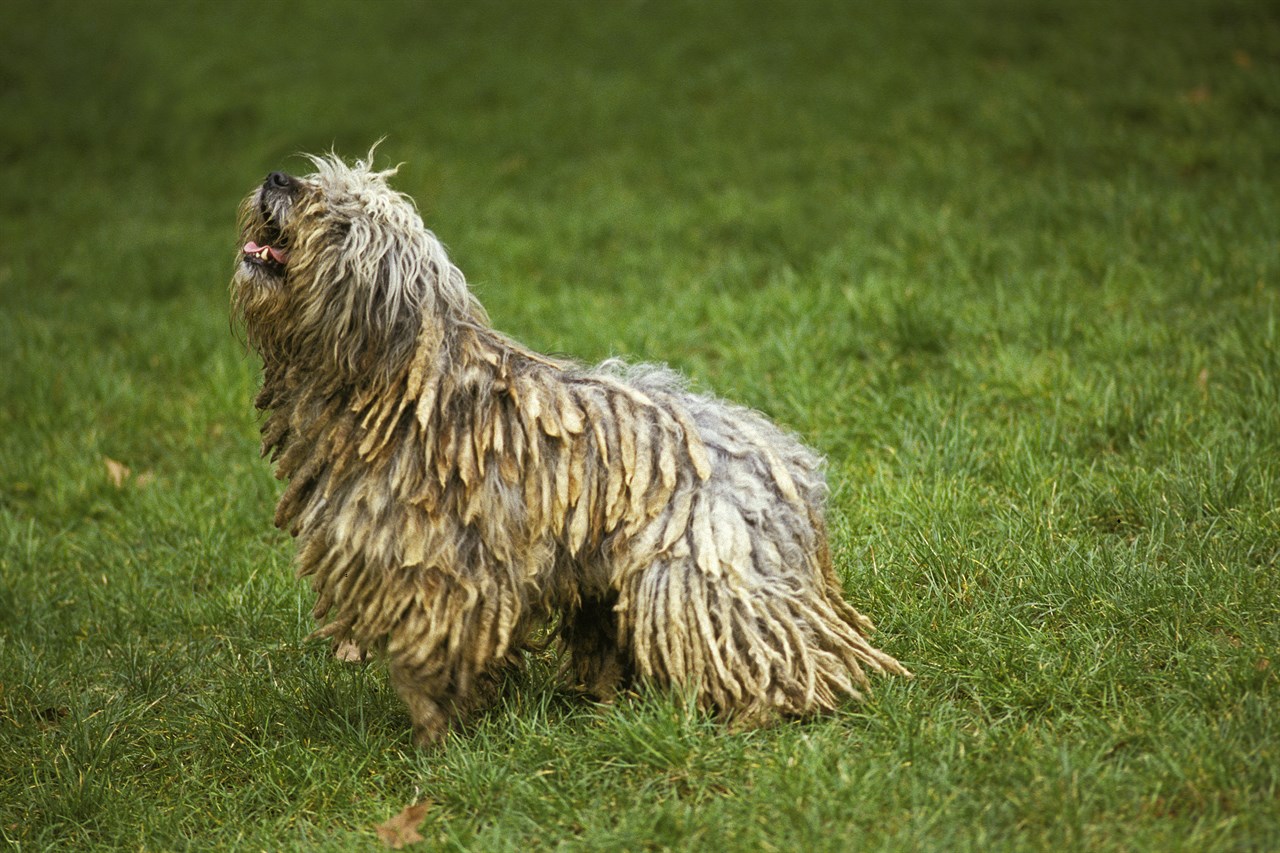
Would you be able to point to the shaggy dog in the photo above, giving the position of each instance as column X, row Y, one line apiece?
column 452, row 491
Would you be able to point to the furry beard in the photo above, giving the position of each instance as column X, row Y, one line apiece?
column 452, row 491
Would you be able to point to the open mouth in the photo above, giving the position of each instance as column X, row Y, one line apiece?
column 272, row 257
column 272, row 253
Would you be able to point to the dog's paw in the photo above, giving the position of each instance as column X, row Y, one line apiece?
column 349, row 652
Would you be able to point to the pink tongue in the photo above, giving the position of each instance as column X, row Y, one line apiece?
column 252, row 248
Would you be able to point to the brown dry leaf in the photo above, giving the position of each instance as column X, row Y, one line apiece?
column 117, row 472
column 402, row 830
column 1242, row 59
column 144, row 479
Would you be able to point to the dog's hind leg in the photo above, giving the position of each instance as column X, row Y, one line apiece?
column 589, row 634
column 726, row 617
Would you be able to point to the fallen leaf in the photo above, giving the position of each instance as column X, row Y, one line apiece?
column 402, row 830
column 1242, row 59
column 1262, row 665
column 117, row 472
column 144, row 479
column 1202, row 380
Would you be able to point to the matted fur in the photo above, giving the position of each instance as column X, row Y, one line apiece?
column 452, row 491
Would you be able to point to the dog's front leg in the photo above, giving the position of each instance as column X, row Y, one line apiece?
column 448, row 649
column 424, row 696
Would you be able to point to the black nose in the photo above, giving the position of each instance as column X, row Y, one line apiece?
column 277, row 181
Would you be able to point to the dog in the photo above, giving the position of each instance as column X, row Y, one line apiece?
column 455, row 494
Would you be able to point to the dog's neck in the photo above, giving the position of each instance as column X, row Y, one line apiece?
column 317, row 429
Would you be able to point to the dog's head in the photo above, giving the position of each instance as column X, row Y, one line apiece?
column 338, row 274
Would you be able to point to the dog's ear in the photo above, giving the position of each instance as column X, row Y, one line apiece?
column 361, row 299
column 398, row 302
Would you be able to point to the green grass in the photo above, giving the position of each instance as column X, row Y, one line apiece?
column 1012, row 267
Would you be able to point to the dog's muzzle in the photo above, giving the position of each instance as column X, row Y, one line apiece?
column 271, row 253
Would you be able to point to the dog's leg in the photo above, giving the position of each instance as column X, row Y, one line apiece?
column 420, row 693
column 751, row 645
column 590, row 636
column 447, row 650
column 435, row 703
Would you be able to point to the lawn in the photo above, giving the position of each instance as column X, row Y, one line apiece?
column 1013, row 268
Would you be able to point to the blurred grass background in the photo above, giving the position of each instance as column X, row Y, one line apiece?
column 1011, row 266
